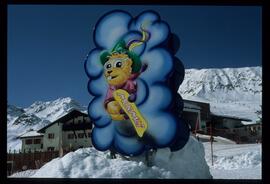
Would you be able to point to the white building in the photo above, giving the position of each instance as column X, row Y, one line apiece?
column 70, row 132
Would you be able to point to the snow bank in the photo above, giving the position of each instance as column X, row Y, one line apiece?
column 23, row 174
column 239, row 161
column 234, row 161
column 90, row 163
column 189, row 162
column 231, row 161
column 247, row 173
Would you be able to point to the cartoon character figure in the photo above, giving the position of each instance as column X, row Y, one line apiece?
column 134, row 112
column 121, row 68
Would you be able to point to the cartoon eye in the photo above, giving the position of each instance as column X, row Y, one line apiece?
column 108, row 66
column 118, row 64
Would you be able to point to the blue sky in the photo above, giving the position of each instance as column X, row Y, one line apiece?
column 47, row 44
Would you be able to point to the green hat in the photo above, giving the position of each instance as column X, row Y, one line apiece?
column 120, row 48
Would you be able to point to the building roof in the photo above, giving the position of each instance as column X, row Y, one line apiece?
column 191, row 106
column 196, row 102
column 202, row 106
column 64, row 118
column 230, row 117
column 253, row 124
column 31, row 133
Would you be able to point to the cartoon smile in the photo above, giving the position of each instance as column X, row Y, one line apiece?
column 111, row 77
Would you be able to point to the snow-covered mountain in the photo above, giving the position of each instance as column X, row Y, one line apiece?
column 38, row 115
column 230, row 91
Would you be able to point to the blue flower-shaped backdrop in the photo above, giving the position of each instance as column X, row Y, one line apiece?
column 157, row 86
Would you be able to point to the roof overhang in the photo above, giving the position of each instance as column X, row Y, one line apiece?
column 230, row 117
column 63, row 118
column 25, row 137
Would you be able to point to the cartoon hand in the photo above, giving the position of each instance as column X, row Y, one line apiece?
column 132, row 97
column 114, row 109
column 118, row 117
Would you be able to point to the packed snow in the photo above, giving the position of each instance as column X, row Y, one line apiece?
column 188, row 163
column 230, row 161
column 234, row 161
column 24, row 174
column 96, row 164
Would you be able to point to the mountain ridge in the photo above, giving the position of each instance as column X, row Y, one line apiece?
column 230, row 91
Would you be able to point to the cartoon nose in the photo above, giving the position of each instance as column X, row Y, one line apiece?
column 109, row 71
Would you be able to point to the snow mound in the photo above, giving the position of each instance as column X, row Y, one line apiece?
column 188, row 162
column 242, row 160
column 90, row 163
column 234, row 161
column 23, row 174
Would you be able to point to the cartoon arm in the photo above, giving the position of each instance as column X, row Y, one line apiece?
column 112, row 107
column 131, row 88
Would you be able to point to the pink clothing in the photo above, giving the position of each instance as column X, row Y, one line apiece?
column 130, row 86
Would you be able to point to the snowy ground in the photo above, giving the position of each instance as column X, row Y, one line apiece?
column 231, row 161
column 188, row 163
column 234, row 161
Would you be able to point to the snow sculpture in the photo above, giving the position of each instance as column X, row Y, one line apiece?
column 134, row 76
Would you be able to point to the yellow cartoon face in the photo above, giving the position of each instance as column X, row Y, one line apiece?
column 118, row 69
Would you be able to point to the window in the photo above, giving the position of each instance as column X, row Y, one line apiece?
column 51, row 136
column 50, row 148
column 81, row 135
column 37, row 141
column 70, row 136
column 28, row 141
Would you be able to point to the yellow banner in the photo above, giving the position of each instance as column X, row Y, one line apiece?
column 139, row 123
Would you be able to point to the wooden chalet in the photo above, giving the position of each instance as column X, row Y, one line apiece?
column 69, row 132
